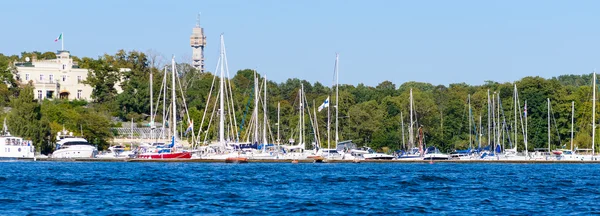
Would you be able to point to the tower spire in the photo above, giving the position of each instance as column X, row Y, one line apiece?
column 198, row 20
column 197, row 42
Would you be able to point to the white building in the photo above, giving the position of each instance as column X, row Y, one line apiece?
column 56, row 78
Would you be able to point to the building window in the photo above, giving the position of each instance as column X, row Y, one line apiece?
column 41, row 77
column 64, row 78
column 78, row 79
column 39, row 94
column 51, row 78
column 49, row 94
column 79, row 94
column 26, row 77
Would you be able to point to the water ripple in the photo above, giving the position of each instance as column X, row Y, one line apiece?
column 67, row 188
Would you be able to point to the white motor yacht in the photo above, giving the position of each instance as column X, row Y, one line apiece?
column 569, row 155
column 68, row 146
column 331, row 154
column 373, row 155
column 12, row 148
column 354, row 154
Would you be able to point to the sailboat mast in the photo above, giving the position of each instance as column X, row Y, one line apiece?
column 328, row 126
column 499, row 123
column 164, row 117
column 494, row 120
column 594, row 114
column 302, row 113
column 221, row 96
column 278, row 107
column 402, row 129
column 255, row 113
column 515, row 105
column 489, row 120
column 470, row 129
column 174, row 109
column 525, row 138
column 300, row 116
column 151, row 105
column 548, row 124
column 265, row 114
column 410, row 131
column 480, row 131
column 337, row 98
column 572, row 121
column 316, row 126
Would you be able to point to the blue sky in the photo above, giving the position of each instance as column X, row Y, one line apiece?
column 439, row 42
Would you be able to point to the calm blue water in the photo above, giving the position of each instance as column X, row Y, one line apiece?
column 51, row 188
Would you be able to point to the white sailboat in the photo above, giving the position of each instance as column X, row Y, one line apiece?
column 266, row 150
column 329, row 152
column 573, row 154
column 413, row 152
column 225, row 147
column 297, row 151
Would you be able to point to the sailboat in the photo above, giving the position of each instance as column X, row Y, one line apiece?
column 334, row 153
column 413, row 152
column 169, row 151
column 265, row 150
column 468, row 153
column 572, row 154
column 297, row 151
column 226, row 147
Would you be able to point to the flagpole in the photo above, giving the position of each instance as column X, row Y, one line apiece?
column 62, row 41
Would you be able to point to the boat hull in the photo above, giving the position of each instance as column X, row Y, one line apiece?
column 75, row 151
column 236, row 160
column 436, row 157
column 175, row 155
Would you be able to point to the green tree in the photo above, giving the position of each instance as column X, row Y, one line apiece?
column 25, row 120
column 102, row 77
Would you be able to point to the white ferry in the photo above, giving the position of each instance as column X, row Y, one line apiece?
column 13, row 148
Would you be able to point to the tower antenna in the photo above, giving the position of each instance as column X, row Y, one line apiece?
column 198, row 20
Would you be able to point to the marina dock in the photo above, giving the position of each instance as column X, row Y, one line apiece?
column 314, row 161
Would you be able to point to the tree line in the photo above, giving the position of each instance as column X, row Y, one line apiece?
column 369, row 115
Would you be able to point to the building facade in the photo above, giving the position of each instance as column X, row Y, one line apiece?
column 197, row 42
column 55, row 78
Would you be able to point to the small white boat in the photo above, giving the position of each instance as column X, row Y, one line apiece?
column 69, row 146
column 295, row 153
column 331, row 154
column 354, row 154
column 217, row 152
column 373, row 155
column 116, row 152
column 568, row 155
column 412, row 153
column 432, row 153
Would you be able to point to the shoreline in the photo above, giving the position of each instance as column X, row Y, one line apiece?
column 304, row 161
